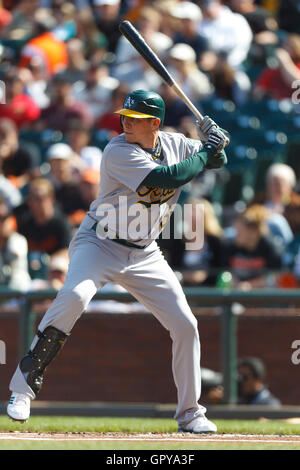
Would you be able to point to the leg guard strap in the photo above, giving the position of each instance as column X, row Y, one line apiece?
column 50, row 342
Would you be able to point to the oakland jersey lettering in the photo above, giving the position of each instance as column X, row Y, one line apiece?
column 151, row 196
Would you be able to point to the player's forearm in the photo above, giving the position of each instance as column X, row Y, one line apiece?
column 176, row 175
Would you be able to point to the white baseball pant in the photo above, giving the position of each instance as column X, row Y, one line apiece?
column 148, row 277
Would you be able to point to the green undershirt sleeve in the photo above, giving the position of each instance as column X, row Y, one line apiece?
column 173, row 176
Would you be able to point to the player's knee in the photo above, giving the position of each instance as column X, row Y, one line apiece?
column 75, row 299
column 187, row 328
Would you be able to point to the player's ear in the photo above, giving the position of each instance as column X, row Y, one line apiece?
column 156, row 123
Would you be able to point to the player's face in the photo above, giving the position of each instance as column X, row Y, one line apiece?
column 140, row 130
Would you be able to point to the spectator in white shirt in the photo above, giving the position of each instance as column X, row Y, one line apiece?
column 96, row 89
column 148, row 24
column 184, row 68
column 227, row 33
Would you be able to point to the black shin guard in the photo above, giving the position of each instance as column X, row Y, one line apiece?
column 50, row 341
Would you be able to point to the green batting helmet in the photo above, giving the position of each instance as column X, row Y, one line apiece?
column 143, row 104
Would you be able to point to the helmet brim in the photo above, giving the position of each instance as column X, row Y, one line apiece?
column 134, row 114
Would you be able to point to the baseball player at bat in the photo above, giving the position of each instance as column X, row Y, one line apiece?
column 143, row 167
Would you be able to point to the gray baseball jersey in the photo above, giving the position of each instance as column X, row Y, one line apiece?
column 122, row 200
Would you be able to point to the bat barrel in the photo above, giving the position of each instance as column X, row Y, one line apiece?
column 138, row 42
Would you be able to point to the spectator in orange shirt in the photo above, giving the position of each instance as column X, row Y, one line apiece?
column 49, row 48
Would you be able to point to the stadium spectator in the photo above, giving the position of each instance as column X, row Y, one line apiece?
column 95, row 42
column 22, row 25
column 139, row 75
column 296, row 266
column 258, row 17
column 19, row 160
column 252, row 387
column 183, row 66
column 47, row 46
column 19, row 107
column 57, row 270
column 251, row 255
column 65, row 178
column 89, row 186
column 96, row 89
column 189, row 16
column 55, row 276
column 5, row 18
column 78, row 136
column 289, row 16
column 200, row 266
column 110, row 121
column 264, row 28
column 148, row 24
column 37, row 83
column 229, row 83
column 63, row 11
column 212, row 391
column 108, row 15
column 277, row 82
column 227, row 33
column 9, row 192
column 13, row 252
column 42, row 224
column 279, row 196
column 77, row 63
column 63, row 106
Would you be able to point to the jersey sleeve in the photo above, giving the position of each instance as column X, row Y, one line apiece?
column 130, row 166
column 192, row 147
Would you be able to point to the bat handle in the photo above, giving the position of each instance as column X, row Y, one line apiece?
column 186, row 100
column 194, row 110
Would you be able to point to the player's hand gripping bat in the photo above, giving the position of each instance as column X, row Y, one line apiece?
column 138, row 42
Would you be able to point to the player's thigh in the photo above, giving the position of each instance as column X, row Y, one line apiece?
column 87, row 273
column 154, row 284
column 91, row 261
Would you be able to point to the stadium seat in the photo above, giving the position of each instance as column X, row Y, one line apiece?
column 264, row 160
column 38, row 265
column 238, row 186
column 292, row 155
column 100, row 138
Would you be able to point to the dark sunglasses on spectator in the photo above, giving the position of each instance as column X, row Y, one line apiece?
column 3, row 217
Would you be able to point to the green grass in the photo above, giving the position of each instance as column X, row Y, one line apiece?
column 140, row 425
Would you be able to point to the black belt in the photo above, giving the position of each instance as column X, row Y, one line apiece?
column 121, row 241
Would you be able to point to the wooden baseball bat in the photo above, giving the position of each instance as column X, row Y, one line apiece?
column 139, row 43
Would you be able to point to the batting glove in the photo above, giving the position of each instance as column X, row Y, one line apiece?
column 216, row 141
column 204, row 127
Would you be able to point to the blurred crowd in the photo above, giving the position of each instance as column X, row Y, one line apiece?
column 65, row 68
